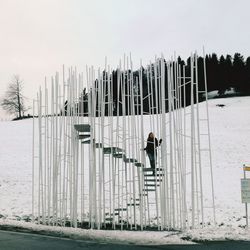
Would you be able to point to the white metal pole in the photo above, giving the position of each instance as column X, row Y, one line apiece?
column 33, row 164
column 209, row 140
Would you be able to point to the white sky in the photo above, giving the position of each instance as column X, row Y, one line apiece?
column 38, row 36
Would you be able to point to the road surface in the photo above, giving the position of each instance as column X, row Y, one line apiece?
column 26, row 241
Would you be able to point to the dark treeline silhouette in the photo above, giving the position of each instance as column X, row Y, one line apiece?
column 223, row 73
column 228, row 72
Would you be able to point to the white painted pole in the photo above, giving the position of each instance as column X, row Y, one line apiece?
column 47, row 142
column 163, row 146
column 198, row 138
column 185, row 149
column 102, row 107
column 39, row 160
column 33, row 164
column 192, row 146
column 45, row 155
column 171, row 139
column 209, row 140
column 40, row 155
column 64, row 182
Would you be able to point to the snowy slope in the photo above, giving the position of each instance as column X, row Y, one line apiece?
column 15, row 167
column 230, row 133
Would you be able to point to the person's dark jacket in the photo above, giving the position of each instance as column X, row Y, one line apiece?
column 152, row 144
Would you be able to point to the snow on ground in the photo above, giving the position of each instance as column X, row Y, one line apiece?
column 230, row 133
column 115, row 236
column 15, row 167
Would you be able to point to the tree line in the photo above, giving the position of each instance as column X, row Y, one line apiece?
column 223, row 73
column 226, row 72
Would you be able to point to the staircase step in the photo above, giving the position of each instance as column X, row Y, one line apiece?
column 109, row 219
column 152, row 169
column 82, row 127
column 147, row 169
column 118, row 155
column 114, row 150
column 133, row 204
column 152, row 177
column 148, row 190
column 86, row 142
column 129, row 160
column 107, row 150
column 120, row 209
column 147, row 175
column 152, row 180
column 115, row 214
column 82, row 137
column 139, row 164
column 151, row 185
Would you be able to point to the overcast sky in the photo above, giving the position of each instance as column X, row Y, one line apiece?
column 38, row 36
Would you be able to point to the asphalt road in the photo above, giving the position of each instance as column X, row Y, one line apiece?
column 26, row 241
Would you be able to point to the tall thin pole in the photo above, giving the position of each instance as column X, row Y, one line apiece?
column 192, row 145
column 209, row 140
column 33, row 164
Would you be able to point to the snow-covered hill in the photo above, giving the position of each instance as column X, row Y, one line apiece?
column 230, row 137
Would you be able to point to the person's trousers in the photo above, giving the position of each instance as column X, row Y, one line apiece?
column 152, row 159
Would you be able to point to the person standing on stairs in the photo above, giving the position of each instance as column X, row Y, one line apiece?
column 151, row 149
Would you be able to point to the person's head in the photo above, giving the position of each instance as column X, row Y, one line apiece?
column 151, row 135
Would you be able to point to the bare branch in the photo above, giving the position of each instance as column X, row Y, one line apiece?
column 14, row 99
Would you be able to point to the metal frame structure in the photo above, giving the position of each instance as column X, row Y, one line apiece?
column 89, row 167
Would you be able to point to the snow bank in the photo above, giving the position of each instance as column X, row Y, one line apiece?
column 217, row 234
column 117, row 236
column 210, row 233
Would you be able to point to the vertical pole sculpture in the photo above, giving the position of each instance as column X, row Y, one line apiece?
column 116, row 185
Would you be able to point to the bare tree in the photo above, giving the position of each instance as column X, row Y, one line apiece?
column 13, row 102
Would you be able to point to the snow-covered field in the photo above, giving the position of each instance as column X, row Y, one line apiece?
column 230, row 133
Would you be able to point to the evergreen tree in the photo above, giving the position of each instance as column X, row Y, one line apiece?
column 247, row 75
column 223, row 84
column 228, row 70
column 238, row 72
